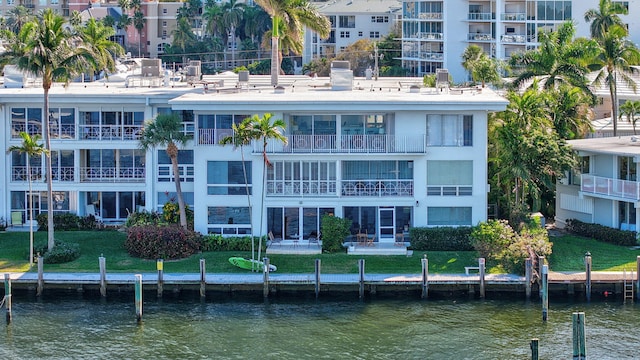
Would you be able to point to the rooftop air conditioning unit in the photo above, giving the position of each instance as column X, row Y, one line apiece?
column 151, row 67
column 341, row 75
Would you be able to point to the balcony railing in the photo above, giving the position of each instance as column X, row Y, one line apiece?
column 480, row 16
column 348, row 144
column 19, row 173
column 479, row 37
column 111, row 174
column 518, row 39
column 377, row 188
column 618, row 188
column 514, row 17
column 301, row 188
column 110, row 132
column 430, row 16
column 212, row 136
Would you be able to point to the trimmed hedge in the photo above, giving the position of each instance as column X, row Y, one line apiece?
column 603, row 233
column 162, row 242
column 441, row 239
column 67, row 222
column 215, row 242
column 61, row 253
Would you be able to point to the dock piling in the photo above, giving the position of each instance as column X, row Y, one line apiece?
column 160, row 267
column 545, row 292
column 534, row 349
column 541, row 260
column 138, row 297
column 361, row 278
column 579, row 343
column 425, row 277
column 103, row 275
column 528, row 273
column 481, row 269
column 7, row 296
column 587, row 265
column 203, row 278
column 317, row 277
column 40, row 286
column 265, row 282
column 638, row 277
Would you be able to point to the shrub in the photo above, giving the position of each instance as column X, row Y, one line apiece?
column 334, row 231
column 603, row 233
column 143, row 218
column 216, row 242
column 441, row 239
column 67, row 221
column 171, row 213
column 161, row 242
column 61, row 253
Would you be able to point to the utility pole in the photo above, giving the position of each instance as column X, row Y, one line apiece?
column 375, row 56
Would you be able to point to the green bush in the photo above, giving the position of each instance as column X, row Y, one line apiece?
column 143, row 218
column 603, row 233
column 171, row 213
column 61, row 253
column 334, row 232
column 441, row 239
column 216, row 242
column 67, row 222
column 162, row 242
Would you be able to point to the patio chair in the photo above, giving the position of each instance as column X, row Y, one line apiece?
column 273, row 239
column 16, row 218
column 91, row 210
column 313, row 238
column 371, row 241
column 399, row 239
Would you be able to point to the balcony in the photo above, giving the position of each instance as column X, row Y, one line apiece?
column 516, row 39
column 376, row 188
column 301, row 188
column 479, row 37
column 430, row 16
column 112, row 174
column 348, row 188
column 347, row 144
column 480, row 16
column 19, row 173
column 212, row 136
column 610, row 188
column 514, row 17
column 110, row 132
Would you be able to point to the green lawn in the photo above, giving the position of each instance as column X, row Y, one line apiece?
column 568, row 255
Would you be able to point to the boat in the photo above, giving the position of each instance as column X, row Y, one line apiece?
column 250, row 264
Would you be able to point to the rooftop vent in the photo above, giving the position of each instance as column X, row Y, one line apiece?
column 194, row 72
column 442, row 78
column 414, row 89
column 151, row 67
column 341, row 75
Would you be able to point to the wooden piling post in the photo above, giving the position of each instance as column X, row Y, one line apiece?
column 7, row 296
column 265, row 282
column 534, row 349
column 579, row 343
column 317, row 278
column 160, row 267
column 481, row 269
column 40, row 285
column 203, row 278
column 103, row 275
column 425, row 277
column 138, row 297
column 638, row 277
column 587, row 265
column 545, row 292
column 528, row 273
column 361, row 277
column 541, row 261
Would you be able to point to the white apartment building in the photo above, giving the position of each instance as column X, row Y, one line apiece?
column 604, row 189
column 387, row 154
column 436, row 33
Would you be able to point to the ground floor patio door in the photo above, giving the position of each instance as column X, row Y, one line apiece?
column 386, row 223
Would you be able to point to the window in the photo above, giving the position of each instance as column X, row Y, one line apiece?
column 449, row 216
column 626, row 216
column 188, row 120
column 28, row 120
column 227, row 178
column 309, row 178
column 42, row 2
column 554, row 10
column 62, row 165
column 212, row 128
column 164, row 24
column 172, row 196
column 185, row 166
column 449, row 177
column 228, row 220
column 113, row 165
column 164, row 11
column 360, row 33
column 575, row 176
column 21, row 201
column 62, row 123
column 164, row 34
column 19, row 167
column 347, row 22
column 377, row 178
column 363, row 219
column 379, row 19
column 345, row 34
column 449, row 130
column 116, row 205
column 295, row 222
column 374, row 34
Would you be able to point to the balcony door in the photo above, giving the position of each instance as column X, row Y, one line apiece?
column 386, row 223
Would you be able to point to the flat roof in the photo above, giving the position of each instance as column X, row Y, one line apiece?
column 619, row 145
column 363, row 7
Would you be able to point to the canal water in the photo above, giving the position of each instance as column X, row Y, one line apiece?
column 82, row 326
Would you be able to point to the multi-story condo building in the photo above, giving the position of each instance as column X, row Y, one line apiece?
column 436, row 33
column 604, row 189
column 387, row 154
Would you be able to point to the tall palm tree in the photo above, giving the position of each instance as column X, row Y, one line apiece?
column 166, row 131
column 615, row 57
column 75, row 19
column 30, row 147
column 570, row 111
column 212, row 15
column 17, row 17
column 97, row 37
column 631, row 108
column 232, row 13
column 44, row 48
column 265, row 129
column 243, row 136
column 604, row 17
column 470, row 56
column 138, row 23
column 183, row 35
column 290, row 17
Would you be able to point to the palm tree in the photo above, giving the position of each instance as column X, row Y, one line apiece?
column 17, row 17
column 265, row 129
column 31, row 148
column 604, row 17
column 213, row 19
column 289, row 17
column 631, row 108
column 75, row 19
column 231, row 17
column 243, row 136
column 166, row 131
column 183, row 35
column 138, row 23
column 570, row 111
column 615, row 57
column 97, row 37
column 44, row 48
column 470, row 56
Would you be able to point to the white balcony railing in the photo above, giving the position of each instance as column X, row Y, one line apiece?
column 480, row 16
column 514, row 17
column 517, row 39
column 301, row 188
column 212, row 136
column 110, row 132
column 346, row 144
column 479, row 37
column 377, row 188
column 618, row 188
column 19, row 173
column 348, row 188
column 111, row 174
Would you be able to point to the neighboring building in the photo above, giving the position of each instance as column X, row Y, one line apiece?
column 605, row 188
column 436, row 33
column 351, row 20
column 387, row 154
